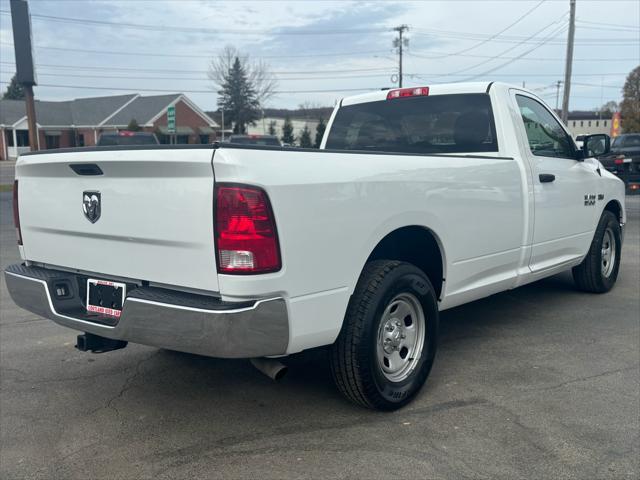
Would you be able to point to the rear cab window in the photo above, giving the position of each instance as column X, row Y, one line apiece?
column 454, row 123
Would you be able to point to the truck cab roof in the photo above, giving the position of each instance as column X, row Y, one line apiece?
column 434, row 89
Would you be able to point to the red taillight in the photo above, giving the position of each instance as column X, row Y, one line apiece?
column 408, row 92
column 16, row 213
column 126, row 133
column 619, row 160
column 246, row 237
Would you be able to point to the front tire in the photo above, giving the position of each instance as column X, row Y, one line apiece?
column 598, row 271
column 388, row 340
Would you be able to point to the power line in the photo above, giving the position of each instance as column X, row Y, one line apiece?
column 606, row 29
column 520, row 39
column 526, row 14
column 418, row 75
column 494, row 57
column 91, row 87
column 617, row 87
column 540, row 59
column 165, row 28
column 151, row 70
column 201, row 79
column 613, row 25
column 436, row 55
column 509, row 62
column 180, row 55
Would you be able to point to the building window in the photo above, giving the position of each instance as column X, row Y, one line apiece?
column 574, row 123
column 582, row 123
column 597, row 123
column 589, row 122
column 204, row 139
column 182, row 139
column 52, row 141
column 81, row 139
column 604, row 123
column 22, row 136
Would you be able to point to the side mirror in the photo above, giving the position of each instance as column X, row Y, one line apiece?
column 596, row 145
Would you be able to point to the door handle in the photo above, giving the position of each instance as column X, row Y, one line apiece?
column 546, row 177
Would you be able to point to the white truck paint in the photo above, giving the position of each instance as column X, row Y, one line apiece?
column 496, row 225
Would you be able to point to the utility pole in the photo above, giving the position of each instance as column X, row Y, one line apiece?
column 399, row 43
column 558, row 93
column 25, row 70
column 569, row 61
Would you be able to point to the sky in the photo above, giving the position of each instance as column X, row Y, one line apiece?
column 321, row 51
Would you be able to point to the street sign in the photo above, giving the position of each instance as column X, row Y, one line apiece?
column 171, row 119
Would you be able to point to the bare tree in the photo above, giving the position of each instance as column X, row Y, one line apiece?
column 258, row 72
column 307, row 108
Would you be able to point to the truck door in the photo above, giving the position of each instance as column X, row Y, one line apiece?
column 564, row 188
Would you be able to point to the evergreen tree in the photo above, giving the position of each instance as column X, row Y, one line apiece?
column 630, row 106
column 319, row 132
column 287, row 132
column 238, row 99
column 305, row 138
column 133, row 125
column 14, row 91
column 272, row 127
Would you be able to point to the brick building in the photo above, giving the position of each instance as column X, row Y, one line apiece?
column 79, row 122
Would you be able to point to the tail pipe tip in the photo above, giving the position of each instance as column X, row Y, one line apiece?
column 271, row 367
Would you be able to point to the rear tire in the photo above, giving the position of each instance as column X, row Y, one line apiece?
column 598, row 271
column 388, row 340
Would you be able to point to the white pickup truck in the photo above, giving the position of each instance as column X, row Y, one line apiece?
column 420, row 199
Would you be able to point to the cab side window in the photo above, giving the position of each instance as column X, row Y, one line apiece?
column 546, row 136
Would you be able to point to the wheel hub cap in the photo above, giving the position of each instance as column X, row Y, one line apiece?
column 608, row 253
column 401, row 337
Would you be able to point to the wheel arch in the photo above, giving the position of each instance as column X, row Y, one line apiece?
column 417, row 245
column 614, row 207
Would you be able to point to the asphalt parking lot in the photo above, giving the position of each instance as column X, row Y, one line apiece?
column 539, row 382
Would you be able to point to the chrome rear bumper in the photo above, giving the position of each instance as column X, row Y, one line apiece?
column 159, row 317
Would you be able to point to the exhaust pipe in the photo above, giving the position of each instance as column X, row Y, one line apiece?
column 271, row 367
column 88, row 342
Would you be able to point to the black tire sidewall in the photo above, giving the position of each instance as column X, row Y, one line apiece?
column 608, row 221
column 404, row 279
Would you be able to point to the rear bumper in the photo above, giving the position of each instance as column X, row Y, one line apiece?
column 158, row 317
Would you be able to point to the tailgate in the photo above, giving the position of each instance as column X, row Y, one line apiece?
column 155, row 222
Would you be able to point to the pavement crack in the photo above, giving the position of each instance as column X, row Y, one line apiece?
column 126, row 386
column 584, row 379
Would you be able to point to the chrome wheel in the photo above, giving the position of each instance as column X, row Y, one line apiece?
column 608, row 258
column 400, row 337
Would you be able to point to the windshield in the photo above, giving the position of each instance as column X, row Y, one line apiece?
column 460, row 123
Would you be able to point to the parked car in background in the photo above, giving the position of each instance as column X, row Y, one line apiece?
column 624, row 160
column 255, row 140
column 126, row 137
